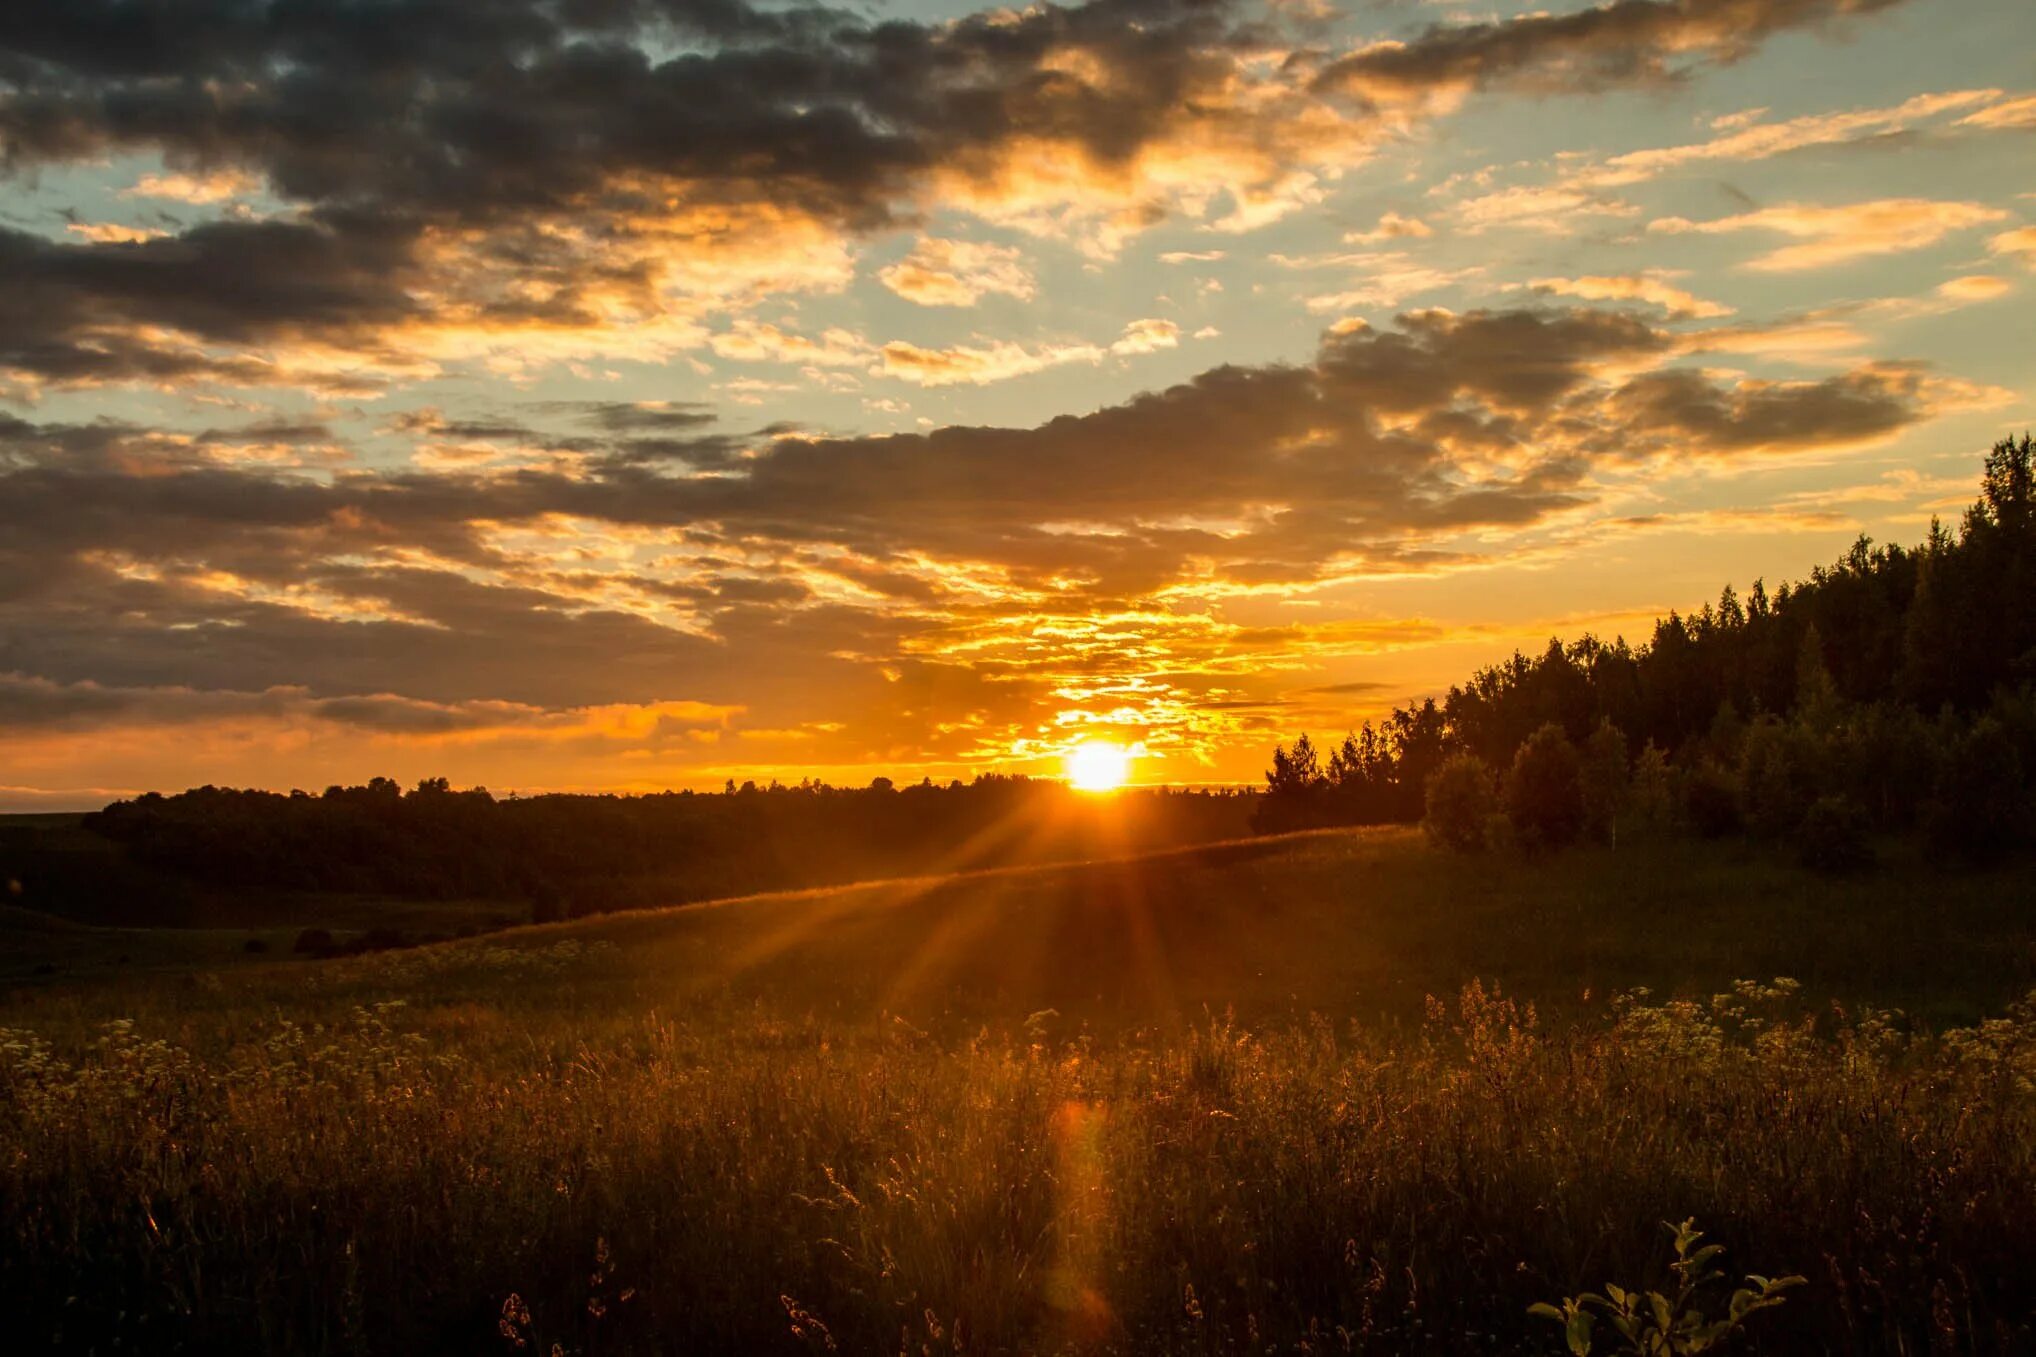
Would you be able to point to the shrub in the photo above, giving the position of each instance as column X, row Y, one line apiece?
column 1651, row 792
column 314, row 942
column 1711, row 800
column 381, row 940
column 1778, row 777
column 1981, row 807
column 1677, row 1323
column 1461, row 797
column 1545, row 793
column 1833, row 837
column 255, row 946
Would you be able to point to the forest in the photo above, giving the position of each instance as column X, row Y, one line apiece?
column 576, row 854
column 1893, row 691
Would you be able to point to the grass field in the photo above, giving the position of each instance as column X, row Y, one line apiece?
column 1285, row 1095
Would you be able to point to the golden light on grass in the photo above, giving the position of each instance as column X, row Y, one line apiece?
column 1098, row 766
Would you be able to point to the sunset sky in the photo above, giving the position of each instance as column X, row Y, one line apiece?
column 623, row 394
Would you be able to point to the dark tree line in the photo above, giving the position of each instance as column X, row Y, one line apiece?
column 572, row 854
column 1891, row 689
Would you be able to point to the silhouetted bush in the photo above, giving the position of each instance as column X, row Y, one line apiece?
column 570, row 855
column 1981, row 808
column 314, row 942
column 255, row 945
column 1545, row 790
column 1461, row 799
column 1653, row 804
column 1778, row 776
column 1833, row 836
column 1711, row 802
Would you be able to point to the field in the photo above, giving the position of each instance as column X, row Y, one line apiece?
column 1318, row 1093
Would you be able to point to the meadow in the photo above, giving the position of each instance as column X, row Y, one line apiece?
column 1318, row 1093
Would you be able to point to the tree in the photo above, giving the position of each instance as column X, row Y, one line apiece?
column 1461, row 801
column 1651, row 791
column 1778, row 775
column 1605, row 781
column 1832, row 837
column 1295, row 773
column 1982, row 804
column 1545, row 791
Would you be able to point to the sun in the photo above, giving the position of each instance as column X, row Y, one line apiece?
column 1098, row 766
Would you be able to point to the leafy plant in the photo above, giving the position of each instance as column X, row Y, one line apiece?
column 1652, row 1324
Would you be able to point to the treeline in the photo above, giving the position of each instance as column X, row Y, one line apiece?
column 574, row 854
column 1893, row 690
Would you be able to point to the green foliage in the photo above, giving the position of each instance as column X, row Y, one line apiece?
column 1842, row 675
column 1981, row 808
column 1711, row 802
column 568, row 855
column 1833, row 836
column 842, row 1099
column 1462, row 799
column 1606, row 781
column 1675, row 1324
column 1779, row 776
column 1653, row 798
column 1545, row 790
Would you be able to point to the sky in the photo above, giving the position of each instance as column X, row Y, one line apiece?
column 631, row 394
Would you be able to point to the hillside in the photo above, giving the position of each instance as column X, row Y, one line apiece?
column 1192, row 1101
column 1351, row 924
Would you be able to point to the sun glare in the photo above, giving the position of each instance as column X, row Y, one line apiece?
column 1098, row 766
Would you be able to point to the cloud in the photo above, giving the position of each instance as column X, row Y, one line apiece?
column 942, row 272
column 1555, row 210
column 2019, row 244
column 757, row 342
column 1385, row 279
column 1749, row 139
column 2013, row 113
column 956, row 594
column 1974, row 287
column 1625, row 42
column 556, row 183
column 215, row 186
column 1392, row 226
column 1650, row 288
column 1836, row 235
column 112, row 233
column 1001, row 360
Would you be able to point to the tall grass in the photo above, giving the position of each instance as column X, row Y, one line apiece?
column 461, row 1174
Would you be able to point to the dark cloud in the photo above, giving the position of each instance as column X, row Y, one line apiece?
column 1625, row 42
column 131, row 567
column 424, row 148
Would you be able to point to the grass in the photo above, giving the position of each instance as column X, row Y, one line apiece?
column 1198, row 1103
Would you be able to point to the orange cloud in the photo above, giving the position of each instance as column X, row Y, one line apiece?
column 1836, row 235
column 1650, row 288
column 942, row 272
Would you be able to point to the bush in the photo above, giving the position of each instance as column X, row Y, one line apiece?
column 1711, row 801
column 255, row 946
column 1833, row 836
column 1461, row 797
column 1778, row 777
column 314, row 942
column 1981, row 807
column 1545, row 793
column 1651, row 792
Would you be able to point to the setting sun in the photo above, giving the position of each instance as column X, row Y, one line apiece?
column 1098, row 766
